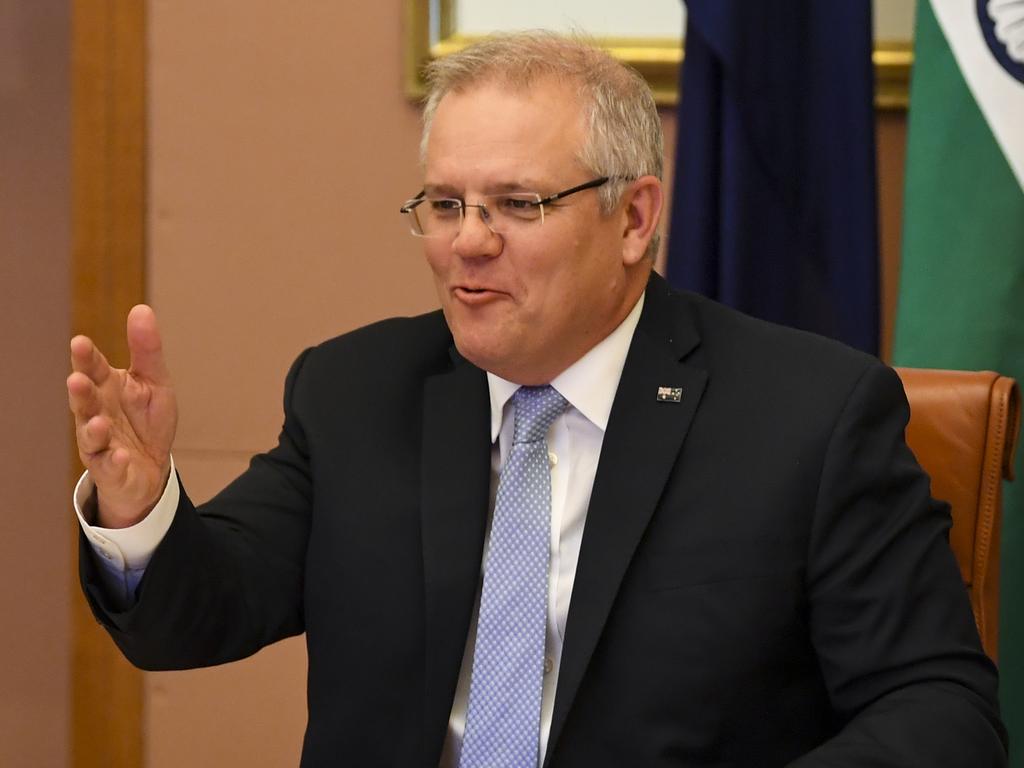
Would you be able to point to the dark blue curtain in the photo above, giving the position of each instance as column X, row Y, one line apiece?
column 774, row 205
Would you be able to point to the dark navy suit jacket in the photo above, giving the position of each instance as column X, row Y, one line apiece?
column 763, row 575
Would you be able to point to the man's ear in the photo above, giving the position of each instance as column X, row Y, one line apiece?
column 643, row 201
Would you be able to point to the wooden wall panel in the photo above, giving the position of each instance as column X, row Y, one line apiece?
column 891, row 134
column 108, row 251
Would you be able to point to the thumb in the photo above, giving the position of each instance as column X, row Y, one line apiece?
column 145, row 346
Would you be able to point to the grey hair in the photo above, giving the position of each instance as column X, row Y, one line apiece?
column 623, row 138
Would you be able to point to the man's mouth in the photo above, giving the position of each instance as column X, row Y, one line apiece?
column 475, row 294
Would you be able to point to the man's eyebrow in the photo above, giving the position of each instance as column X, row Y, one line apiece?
column 448, row 190
column 440, row 190
column 523, row 185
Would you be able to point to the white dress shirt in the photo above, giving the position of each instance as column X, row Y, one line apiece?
column 574, row 446
column 125, row 552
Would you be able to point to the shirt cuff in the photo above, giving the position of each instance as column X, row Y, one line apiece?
column 129, row 549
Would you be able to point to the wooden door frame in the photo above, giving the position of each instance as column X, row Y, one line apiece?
column 108, row 225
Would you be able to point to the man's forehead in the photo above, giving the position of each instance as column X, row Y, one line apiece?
column 453, row 177
column 504, row 137
column 559, row 100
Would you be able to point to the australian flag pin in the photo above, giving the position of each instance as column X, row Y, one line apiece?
column 670, row 394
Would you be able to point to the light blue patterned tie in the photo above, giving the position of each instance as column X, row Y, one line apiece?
column 503, row 719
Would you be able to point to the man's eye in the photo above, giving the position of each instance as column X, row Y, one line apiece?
column 518, row 206
column 444, row 207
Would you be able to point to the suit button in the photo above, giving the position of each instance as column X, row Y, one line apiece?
column 552, row 458
column 549, row 664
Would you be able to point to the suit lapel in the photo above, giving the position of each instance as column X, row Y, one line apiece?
column 640, row 448
column 456, row 455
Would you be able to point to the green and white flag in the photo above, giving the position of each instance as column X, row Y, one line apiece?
column 961, row 302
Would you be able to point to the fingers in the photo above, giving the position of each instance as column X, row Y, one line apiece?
column 87, row 359
column 145, row 346
column 93, row 428
column 109, row 468
column 93, row 436
column 105, row 460
column 83, row 396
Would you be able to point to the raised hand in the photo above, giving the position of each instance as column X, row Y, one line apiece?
column 124, row 421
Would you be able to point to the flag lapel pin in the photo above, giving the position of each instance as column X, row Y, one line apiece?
column 670, row 394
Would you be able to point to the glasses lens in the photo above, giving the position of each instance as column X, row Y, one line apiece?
column 436, row 217
column 512, row 210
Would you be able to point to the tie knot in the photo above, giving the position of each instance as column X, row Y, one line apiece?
column 536, row 409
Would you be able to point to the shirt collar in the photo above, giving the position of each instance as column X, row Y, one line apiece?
column 589, row 384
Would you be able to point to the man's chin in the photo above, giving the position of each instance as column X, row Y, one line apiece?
column 479, row 353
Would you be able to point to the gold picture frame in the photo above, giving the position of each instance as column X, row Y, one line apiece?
column 656, row 59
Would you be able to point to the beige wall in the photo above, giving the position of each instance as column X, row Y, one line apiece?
column 280, row 148
column 35, row 579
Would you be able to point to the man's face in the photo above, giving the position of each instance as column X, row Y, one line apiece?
column 523, row 305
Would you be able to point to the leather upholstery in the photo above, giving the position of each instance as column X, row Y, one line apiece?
column 963, row 429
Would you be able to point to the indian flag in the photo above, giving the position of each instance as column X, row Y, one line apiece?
column 961, row 302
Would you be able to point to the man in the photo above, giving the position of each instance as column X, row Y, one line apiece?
column 702, row 537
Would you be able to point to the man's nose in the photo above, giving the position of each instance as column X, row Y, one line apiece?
column 475, row 238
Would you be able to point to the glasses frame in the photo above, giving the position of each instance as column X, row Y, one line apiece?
column 409, row 205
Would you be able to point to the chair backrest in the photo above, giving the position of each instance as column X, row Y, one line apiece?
column 963, row 429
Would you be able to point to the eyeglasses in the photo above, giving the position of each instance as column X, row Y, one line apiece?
column 442, row 217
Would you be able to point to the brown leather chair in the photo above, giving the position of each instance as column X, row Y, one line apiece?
column 963, row 429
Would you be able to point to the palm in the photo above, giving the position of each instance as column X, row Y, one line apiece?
column 125, row 420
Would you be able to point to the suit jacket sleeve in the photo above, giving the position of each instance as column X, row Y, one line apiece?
column 222, row 584
column 889, row 617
